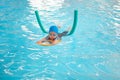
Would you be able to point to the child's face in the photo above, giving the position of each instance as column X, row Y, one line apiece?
column 52, row 35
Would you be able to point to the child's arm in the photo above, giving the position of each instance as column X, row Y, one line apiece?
column 65, row 32
column 41, row 41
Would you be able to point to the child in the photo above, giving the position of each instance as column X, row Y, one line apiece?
column 53, row 36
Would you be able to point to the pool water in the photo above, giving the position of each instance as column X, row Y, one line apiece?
column 91, row 53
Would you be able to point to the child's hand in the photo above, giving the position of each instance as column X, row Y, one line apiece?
column 58, row 26
column 69, row 28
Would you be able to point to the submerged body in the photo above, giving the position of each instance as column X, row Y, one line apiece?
column 53, row 38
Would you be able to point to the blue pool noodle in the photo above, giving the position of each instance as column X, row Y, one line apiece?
column 73, row 27
column 39, row 22
column 74, row 22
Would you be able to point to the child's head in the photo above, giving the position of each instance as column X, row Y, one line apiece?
column 53, row 31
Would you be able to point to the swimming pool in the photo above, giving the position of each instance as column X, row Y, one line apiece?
column 91, row 53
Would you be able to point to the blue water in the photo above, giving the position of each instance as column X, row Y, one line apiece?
column 91, row 53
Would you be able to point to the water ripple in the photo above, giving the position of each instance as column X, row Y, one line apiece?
column 92, row 52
